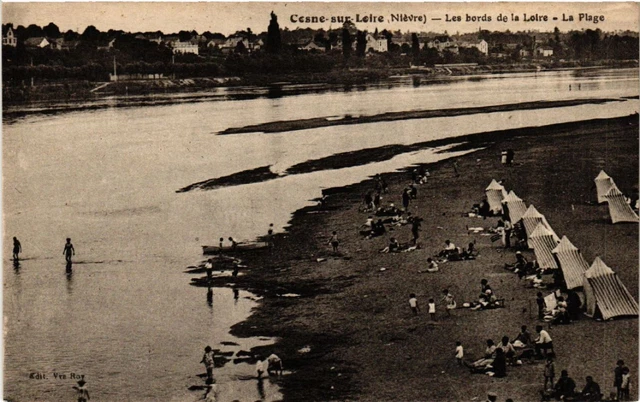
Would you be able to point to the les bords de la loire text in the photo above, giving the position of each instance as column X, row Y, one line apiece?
column 422, row 18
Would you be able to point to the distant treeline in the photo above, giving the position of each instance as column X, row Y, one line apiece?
column 91, row 59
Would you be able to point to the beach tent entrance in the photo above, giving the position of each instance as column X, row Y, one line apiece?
column 605, row 293
column 495, row 193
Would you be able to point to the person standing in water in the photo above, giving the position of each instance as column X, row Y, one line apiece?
column 17, row 248
column 68, row 250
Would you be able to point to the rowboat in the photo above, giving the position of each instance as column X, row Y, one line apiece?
column 240, row 247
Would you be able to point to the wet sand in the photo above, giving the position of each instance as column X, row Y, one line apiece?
column 363, row 342
column 304, row 124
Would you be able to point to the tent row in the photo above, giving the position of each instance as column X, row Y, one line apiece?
column 608, row 192
column 603, row 290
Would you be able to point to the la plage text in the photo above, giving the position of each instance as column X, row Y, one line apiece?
column 363, row 18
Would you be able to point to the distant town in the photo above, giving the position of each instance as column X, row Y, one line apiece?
column 35, row 55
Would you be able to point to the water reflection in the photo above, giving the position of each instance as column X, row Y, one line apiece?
column 210, row 297
column 261, row 388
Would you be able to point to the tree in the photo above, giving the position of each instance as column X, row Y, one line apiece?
column 90, row 34
column 51, row 31
column 274, row 41
column 346, row 42
column 71, row 36
column 184, row 36
column 415, row 45
column 33, row 31
column 361, row 43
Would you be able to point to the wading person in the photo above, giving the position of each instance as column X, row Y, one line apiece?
column 17, row 248
column 68, row 250
column 207, row 360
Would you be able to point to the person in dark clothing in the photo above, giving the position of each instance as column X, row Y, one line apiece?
column 17, row 248
column 405, row 199
column 574, row 302
column 565, row 387
column 617, row 378
column 541, row 305
column 591, row 391
column 415, row 229
column 500, row 364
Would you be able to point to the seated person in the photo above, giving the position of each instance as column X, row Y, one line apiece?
column 378, row 229
column 508, row 349
column 470, row 253
column 520, row 263
column 449, row 248
column 432, row 266
column 367, row 227
column 390, row 210
column 537, row 282
column 413, row 191
column 565, row 387
column 487, row 359
column 591, row 391
column 484, row 209
column 393, row 246
column 523, row 339
column 561, row 313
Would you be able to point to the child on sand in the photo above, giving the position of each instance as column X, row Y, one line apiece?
column 432, row 309
column 83, row 394
column 459, row 352
column 549, row 373
column 259, row 367
column 207, row 360
column 413, row 302
column 334, row 242
column 624, row 386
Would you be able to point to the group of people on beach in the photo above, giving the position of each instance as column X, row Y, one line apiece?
column 68, row 252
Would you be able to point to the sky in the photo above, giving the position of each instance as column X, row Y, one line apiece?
column 228, row 18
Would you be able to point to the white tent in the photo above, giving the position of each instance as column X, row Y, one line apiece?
column 543, row 242
column 605, row 292
column 532, row 218
column 495, row 193
column 603, row 184
column 572, row 263
column 619, row 209
column 515, row 206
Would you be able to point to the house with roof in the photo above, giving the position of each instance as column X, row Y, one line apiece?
column 8, row 37
column 441, row 42
column 544, row 51
column 375, row 44
column 312, row 46
column 40, row 42
column 482, row 46
column 184, row 47
column 106, row 46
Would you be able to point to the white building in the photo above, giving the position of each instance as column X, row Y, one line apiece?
column 482, row 46
column 184, row 47
column 9, row 38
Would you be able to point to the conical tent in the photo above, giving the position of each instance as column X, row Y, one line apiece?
column 532, row 218
column 605, row 292
column 603, row 184
column 495, row 193
column 572, row 263
column 619, row 210
column 543, row 242
column 515, row 206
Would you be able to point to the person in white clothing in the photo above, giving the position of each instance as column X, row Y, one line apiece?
column 459, row 352
column 543, row 342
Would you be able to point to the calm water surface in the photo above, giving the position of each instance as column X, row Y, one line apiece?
column 127, row 317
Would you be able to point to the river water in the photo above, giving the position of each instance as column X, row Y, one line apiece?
column 127, row 317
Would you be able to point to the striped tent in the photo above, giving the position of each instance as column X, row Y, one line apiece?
column 604, row 292
column 495, row 193
column 572, row 263
column 532, row 218
column 619, row 210
column 515, row 206
column 603, row 184
column 543, row 242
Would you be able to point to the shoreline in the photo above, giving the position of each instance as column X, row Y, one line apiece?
column 90, row 96
column 353, row 339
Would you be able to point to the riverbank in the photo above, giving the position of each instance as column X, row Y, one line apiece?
column 351, row 334
column 70, row 96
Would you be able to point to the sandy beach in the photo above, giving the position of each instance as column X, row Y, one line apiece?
column 352, row 321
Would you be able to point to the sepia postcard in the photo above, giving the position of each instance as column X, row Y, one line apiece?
column 320, row 201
